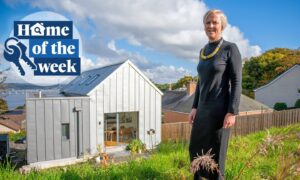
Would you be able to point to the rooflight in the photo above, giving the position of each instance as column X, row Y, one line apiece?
column 90, row 80
column 83, row 79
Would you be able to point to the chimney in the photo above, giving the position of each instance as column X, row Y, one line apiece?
column 170, row 87
column 191, row 87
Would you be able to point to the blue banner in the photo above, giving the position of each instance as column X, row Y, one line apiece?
column 54, row 48
column 43, row 29
column 57, row 67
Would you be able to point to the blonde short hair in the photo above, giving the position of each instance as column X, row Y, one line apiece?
column 220, row 13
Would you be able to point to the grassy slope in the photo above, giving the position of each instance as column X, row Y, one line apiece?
column 172, row 162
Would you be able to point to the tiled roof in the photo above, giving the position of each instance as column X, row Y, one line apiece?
column 10, row 124
column 16, row 115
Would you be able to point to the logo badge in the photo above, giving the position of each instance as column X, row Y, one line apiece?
column 43, row 48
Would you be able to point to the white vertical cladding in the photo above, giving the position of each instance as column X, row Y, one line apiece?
column 137, row 91
column 141, row 127
column 31, row 131
column 65, row 118
column 125, row 86
column 100, row 116
column 152, row 112
column 113, row 92
column 147, row 113
column 57, row 128
column 131, row 86
column 106, row 94
column 40, row 125
column 120, row 90
column 49, row 130
column 93, row 122
column 73, row 130
column 158, row 118
column 86, row 123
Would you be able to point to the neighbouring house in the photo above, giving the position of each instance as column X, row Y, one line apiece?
column 284, row 88
column 9, row 126
column 177, row 104
column 17, row 116
column 106, row 107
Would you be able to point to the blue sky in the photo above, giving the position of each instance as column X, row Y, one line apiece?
column 163, row 38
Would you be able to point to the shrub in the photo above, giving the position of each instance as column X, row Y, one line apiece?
column 135, row 146
column 16, row 136
column 280, row 106
column 297, row 104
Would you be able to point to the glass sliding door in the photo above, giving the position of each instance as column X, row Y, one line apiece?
column 110, row 129
column 120, row 128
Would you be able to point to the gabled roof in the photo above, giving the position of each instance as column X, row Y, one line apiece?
column 185, row 103
column 89, row 80
column 278, row 77
column 86, row 82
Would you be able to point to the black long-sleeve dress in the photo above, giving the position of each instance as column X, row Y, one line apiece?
column 217, row 93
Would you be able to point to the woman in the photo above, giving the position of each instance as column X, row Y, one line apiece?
column 217, row 95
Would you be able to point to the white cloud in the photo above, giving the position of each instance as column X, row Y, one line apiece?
column 156, row 72
column 166, row 74
column 172, row 26
column 232, row 33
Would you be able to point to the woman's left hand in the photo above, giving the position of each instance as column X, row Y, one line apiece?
column 229, row 120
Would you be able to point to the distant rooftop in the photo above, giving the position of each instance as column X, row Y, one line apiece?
column 179, row 101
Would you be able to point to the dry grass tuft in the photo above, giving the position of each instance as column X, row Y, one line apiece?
column 205, row 161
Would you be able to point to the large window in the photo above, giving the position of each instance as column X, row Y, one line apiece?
column 65, row 131
column 120, row 128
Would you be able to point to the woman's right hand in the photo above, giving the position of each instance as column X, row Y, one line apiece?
column 192, row 116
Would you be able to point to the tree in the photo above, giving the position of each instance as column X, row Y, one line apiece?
column 3, row 103
column 260, row 70
column 3, row 106
column 162, row 87
column 183, row 81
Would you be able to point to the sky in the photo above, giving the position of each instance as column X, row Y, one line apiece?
column 162, row 38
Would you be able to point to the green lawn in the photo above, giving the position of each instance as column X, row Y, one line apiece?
column 249, row 156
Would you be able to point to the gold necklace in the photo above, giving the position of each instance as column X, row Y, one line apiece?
column 213, row 53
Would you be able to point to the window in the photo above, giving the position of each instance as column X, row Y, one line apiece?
column 298, row 90
column 65, row 131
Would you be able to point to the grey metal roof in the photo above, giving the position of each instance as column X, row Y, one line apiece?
column 88, row 80
column 185, row 103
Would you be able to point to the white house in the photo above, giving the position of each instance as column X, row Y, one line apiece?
column 284, row 88
column 106, row 107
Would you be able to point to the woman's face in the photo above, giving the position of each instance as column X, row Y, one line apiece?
column 213, row 27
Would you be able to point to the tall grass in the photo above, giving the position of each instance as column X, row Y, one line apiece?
column 171, row 161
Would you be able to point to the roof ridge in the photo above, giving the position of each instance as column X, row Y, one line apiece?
column 105, row 66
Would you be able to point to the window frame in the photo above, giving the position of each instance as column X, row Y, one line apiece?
column 65, row 133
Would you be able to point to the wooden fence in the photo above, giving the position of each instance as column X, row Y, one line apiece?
column 244, row 124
